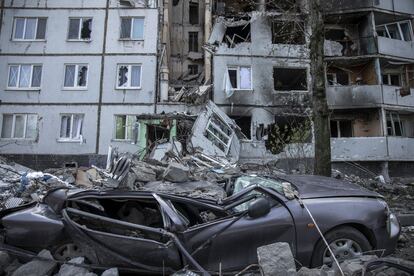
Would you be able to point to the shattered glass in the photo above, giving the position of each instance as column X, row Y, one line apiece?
column 13, row 73
column 25, row 71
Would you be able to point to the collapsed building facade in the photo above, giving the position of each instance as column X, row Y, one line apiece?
column 121, row 59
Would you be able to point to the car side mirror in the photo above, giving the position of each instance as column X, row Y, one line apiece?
column 259, row 208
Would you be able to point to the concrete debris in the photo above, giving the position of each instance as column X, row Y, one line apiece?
column 71, row 270
column 276, row 259
column 37, row 267
column 176, row 173
column 196, row 189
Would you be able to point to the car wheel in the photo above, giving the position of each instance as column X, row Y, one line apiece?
column 67, row 251
column 345, row 243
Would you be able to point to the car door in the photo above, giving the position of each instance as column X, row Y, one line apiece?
column 122, row 244
column 236, row 247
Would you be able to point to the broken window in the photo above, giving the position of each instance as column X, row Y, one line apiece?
column 126, row 127
column 129, row 76
column 193, row 41
column 338, row 78
column 193, row 13
column 24, row 76
column 244, row 123
column 237, row 34
column 398, row 30
column 29, row 28
column 80, row 28
column 132, row 28
column 395, row 126
column 71, row 126
column 288, row 79
column 391, row 79
column 341, row 128
column 219, row 133
column 19, row 126
column 76, row 76
column 239, row 78
column 192, row 69
column 288, row 32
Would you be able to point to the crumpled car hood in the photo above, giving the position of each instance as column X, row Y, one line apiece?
column 312, row 186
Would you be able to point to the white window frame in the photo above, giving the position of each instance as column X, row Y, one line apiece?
column 132, row 28
column 128, row 76
column 127, row 139
column 389, row 74
column 394, row 117
column 230, row 138
column 399, row 29
column 237, row 67
column 26, row 116
column 17, row 87
column 71, row 139
column 76, row 86
column 24, row 28
column 79, row 29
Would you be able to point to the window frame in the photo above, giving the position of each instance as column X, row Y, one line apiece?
column 71, row 139
column 18, row 77
column 130, row 38
column 192, row 42
column 237, row 67
column 230, row 138
column 118, row 66
column 127, row 139
column 389, row 75
column 394, row 118
column 26, row 116
column 79, row 39
column 410, row 26
column 13, row 38
column 75, row 87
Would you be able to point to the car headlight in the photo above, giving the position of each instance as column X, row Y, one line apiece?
column 393, row 225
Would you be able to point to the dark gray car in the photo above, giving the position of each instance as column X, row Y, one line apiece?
column 161, row 233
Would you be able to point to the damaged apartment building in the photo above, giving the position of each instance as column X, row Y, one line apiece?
column 85, row 75
column 369, row 54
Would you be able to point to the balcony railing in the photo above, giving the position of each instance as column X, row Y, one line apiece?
column 372, row 149
column 367, row 96
column 395, row 47
column 401, row 6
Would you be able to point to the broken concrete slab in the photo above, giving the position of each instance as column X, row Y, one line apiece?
column 176, row 172
column 38, row 267
column 276, row 259
column 196, row 189
column 82, row 179
column 143, row 174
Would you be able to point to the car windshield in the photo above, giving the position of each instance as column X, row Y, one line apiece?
column 244, row 181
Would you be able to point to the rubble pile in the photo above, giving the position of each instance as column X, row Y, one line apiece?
column 44, row 264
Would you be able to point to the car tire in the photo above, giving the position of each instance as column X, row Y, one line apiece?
column 359, row 243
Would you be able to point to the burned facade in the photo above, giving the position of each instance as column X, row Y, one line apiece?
column 78, row 85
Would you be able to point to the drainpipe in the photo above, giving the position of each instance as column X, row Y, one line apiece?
column 163, row 63
column 207, row 33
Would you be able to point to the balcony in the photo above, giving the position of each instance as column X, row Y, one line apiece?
column 372, row 149
column 367, row 96
column 400, row 6
column 395, row 47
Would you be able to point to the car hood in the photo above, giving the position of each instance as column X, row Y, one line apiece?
column 311, row 186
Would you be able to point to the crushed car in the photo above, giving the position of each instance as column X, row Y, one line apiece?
column 160, row 233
